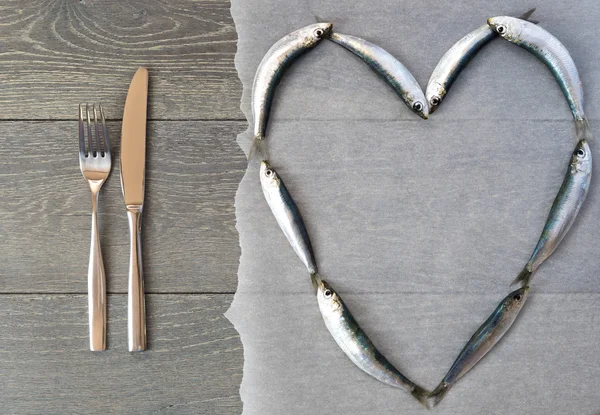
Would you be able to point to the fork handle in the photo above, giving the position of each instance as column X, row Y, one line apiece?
column 96, row 286
column 136, row 308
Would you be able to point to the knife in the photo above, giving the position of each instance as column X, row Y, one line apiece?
column 133, row 161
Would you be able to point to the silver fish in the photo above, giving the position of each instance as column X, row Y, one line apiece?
column 564, row 210
column 455, row 60
column 555, row 55
column 287, row 215
column 356, row 344
column 278, row 58
column 484, row 340
column 389, row 68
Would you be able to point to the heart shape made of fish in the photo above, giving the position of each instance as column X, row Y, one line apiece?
column 338, row 319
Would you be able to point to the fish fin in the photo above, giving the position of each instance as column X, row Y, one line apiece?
column 527, row 15
column 259, row 146
column 437, row 395
column 421, row 395
column 524, row 277
column 583, row 129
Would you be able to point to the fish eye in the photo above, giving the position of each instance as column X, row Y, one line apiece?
column 319, row 32
column 269, row 173
column 518, row 297
column 581, row 152
column 417, row 106
column 327, row 293
column 500, row 29
column 435, row 101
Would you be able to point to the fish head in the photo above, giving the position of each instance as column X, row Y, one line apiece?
column 314, row 33
column 421, row 108
column 418, row 103
column 327, row 298
column 508, row 27
column 434, row 95
column 516, row 299
column 581, row 160
column 268, row 175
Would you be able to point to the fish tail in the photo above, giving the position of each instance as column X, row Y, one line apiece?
column 583, row 129
column 259, row 146
column 437, row 395
column 524, row 277
column 421, row 395
column 315, row 278
column 527, row 15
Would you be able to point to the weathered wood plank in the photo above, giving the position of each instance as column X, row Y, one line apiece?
column 189, row 238
column 193, row 364
column 56, row 54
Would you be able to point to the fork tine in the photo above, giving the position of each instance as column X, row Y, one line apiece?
column 89, row 128
column 81, row 133
column 104, row 130
column 99, row 149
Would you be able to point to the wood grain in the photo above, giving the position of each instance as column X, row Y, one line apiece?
column 189, row 239
column 193, row 364
column 58, row 53
column 54, row 55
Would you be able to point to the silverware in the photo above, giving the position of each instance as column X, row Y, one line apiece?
column 133, row 160
column 95, row 164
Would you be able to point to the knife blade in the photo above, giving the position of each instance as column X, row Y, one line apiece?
column 133, row 172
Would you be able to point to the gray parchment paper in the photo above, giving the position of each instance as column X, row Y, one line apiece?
column 420, row 225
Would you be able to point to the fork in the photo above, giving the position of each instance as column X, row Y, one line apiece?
column 95, row 166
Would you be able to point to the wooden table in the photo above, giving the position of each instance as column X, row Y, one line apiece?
column 55, row 55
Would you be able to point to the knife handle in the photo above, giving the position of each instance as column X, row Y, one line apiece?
column 96, row 286
column 136, row 308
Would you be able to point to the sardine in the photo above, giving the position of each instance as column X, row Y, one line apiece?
column 355, row 343
column 278, row 58
column 389, row 68
column 455, row 60
column 564, row 210
column 555, row 55
column 287, row 215
column 484, row 340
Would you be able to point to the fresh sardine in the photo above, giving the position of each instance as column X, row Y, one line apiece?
column 484, row 340
column 269, row 72
column 389, row 68
column 555, row 55
column 564, row 210
column 455, row 60
column 356, row 344
column 287, row 215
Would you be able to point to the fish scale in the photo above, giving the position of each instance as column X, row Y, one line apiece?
column 389, row 68
column 357, row 346
column 287, row 215
column 455, row 60
column 564, row 210
column 484, row 340
column 270, row 70
column 554, row 55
